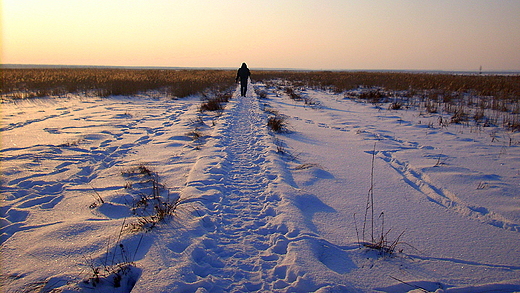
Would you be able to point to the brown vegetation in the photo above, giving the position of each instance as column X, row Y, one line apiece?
column 215, row 103
column 26, row 83
column 463, row 96
column 502, row 86
column 486, row 99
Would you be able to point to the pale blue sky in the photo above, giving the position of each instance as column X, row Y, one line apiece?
column 311, row 34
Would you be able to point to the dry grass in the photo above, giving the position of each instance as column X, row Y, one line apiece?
column 40, row 82
column 27, row 83
column 485, row 100
column 501, row 86
column 380, row 243
column 463, row 97
column 153, row 202
column 215, row 103
column 194, row 135
column 294, row 95
column 277, row 124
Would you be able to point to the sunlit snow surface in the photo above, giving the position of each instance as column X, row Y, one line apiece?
column 260, row 211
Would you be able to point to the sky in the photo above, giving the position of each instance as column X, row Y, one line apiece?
column 299, row 34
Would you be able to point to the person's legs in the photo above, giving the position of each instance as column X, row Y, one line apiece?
column 243, row 87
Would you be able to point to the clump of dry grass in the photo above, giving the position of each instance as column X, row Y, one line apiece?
column 153, row 202
column 215, row 103
column 277, row 124
column 396, row 106
column 380, row 242
column 431, row 107
column 459, row 116
column 71, row 143
column 373, row 96
column 116, row 269
column 194, row 135
column 292, row 94
column 512, row 123
column 262, row 94
column 112, row 275
column 211, row 105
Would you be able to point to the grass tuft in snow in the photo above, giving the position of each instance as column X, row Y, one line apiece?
column 292, row 94
column 99, row 200
column 115, row 270
column 380, row 242
column 374, row 96
column 114, row 276
column 71, row 143
column 300, row 97
column 215, row 103
column 153, row 202
column 195, row 135
column 262, row 94
column 211, row 105
column 396, row 106
column 277, row 124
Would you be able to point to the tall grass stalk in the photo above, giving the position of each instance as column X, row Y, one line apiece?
column 382, row 242
column 370, row 199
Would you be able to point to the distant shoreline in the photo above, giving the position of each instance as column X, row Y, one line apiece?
column 51, row 66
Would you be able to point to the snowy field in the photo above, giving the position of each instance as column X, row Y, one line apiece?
column 86, row 183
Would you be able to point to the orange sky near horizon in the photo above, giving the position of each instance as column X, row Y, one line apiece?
column 305, row 34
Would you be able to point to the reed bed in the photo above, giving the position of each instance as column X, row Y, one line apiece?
column 464, row 96
column 56, row 81
column 501, row 86
column 487, row 100
column 27, row 83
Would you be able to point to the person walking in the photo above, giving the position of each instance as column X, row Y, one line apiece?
column 243, row 74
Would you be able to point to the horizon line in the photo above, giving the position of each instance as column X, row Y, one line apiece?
column 35, row 66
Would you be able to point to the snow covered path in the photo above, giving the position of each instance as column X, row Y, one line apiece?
column 238, row 209
column 238, row 243
column 240, row 228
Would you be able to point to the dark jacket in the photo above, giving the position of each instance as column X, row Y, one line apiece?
column 243, row 73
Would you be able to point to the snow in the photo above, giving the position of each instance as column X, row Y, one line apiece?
column 259, row 210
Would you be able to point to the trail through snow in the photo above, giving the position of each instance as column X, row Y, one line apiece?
column 240, row 241
column 237, row 203
column 240, row 229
